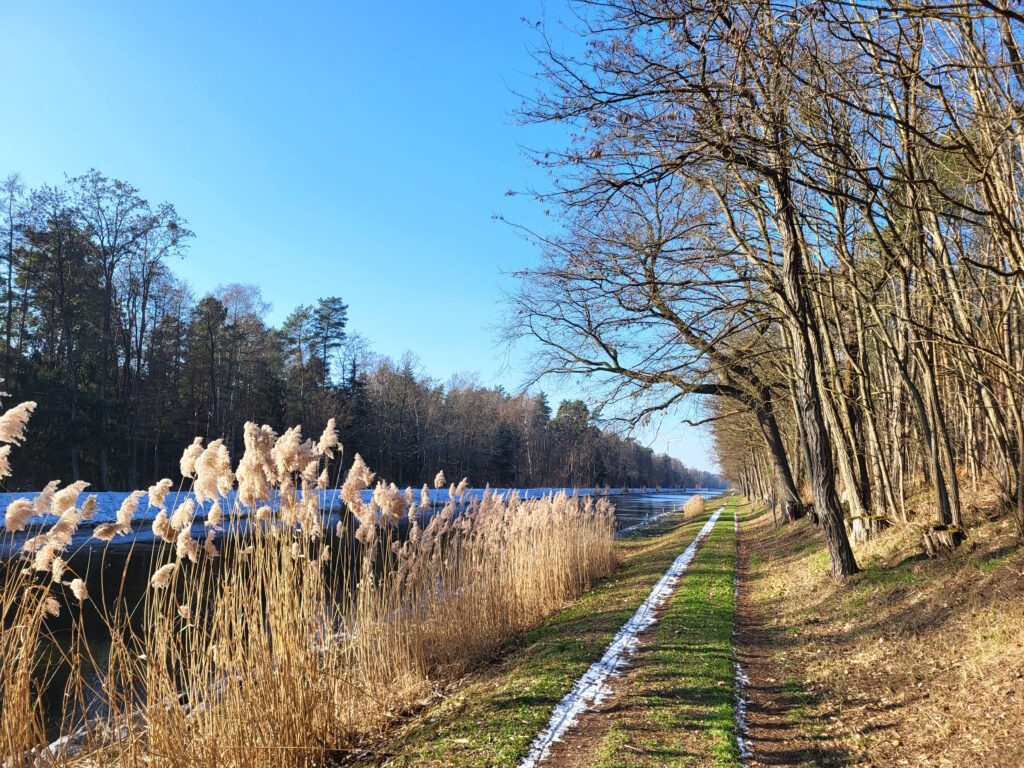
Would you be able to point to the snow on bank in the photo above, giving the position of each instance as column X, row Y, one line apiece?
column 108, row 502
column 741, row 679
column 643, row 523
column 593, row 688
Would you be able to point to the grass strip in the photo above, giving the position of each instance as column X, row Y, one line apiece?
column 493, row 718
column 676, row 706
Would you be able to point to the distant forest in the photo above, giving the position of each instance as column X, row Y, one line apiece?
column 127, row 366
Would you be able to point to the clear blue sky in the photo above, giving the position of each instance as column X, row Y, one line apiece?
column 316, row 148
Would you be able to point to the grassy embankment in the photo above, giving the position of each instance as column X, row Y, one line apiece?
column 911, row 662
column 675, row 702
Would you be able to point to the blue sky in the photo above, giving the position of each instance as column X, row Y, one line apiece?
column 315, row 148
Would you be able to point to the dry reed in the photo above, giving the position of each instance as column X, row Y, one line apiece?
column 273, row 642
column 694, row 506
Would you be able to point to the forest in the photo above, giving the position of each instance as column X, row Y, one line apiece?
column 127, row 365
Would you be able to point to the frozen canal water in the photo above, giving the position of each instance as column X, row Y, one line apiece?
column 633, row 508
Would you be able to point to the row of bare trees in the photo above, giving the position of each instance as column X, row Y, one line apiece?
column 812, row 213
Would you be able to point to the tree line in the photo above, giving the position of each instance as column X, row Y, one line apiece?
column 811, row 216
column 127, row 366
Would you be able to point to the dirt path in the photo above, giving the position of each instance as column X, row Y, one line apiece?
column 582, row 746
column 655, row 714
column 776, row 722
column 911, row 662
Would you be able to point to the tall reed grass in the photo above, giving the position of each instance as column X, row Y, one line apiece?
column 269, row 638
column 694, row 506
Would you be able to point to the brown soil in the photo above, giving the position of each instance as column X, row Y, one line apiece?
column 914, row 662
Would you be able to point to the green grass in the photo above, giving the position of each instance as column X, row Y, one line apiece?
column 992, row 563
column 798, row 699
column 818, row 563
column 678, row 707
column 878, row 575
column 494, row 716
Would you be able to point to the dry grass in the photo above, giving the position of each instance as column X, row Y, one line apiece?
column 22, row 614
column 277, row 641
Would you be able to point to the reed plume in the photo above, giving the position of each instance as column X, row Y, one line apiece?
column 13, row 422
column 51, row 607
column 126, row 512
column 162, row 577
column 63, row 530
column 18, row 513
column 43, row 501
column 213, row 475
column 162, row 526
column 106, row 531
column 187, row 465
column 185, row 546
column 158, row 492
column 89, row 507
column 208, row 546
column 44, row 557
column 57, row 569
column 328, row 440
column 79, row 590
column 5, row 461
column 183, row 514
column 215, row 517
column 67, row 497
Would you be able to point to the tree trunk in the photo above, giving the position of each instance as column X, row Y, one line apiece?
column 819, row 451
column 785, row 488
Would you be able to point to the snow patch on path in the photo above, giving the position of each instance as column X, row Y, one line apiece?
column 591, row 689
column 742, row 681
